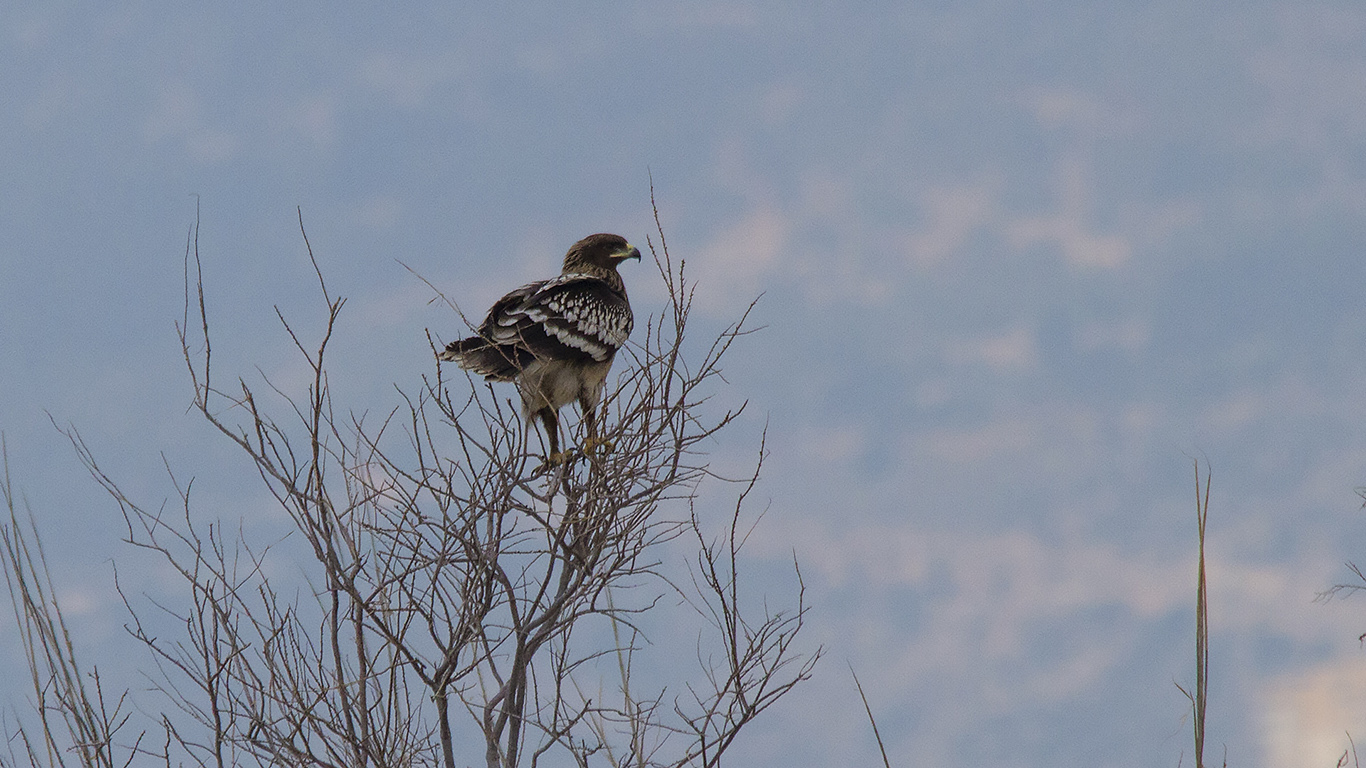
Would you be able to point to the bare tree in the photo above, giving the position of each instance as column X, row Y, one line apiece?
column 76, row 722
column 467, row 602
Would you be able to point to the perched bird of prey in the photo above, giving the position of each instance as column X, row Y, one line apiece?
column 556, row 338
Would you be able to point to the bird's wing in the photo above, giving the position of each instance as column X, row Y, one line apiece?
column 566, row 318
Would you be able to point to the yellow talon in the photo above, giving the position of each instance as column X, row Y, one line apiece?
column 592, row 444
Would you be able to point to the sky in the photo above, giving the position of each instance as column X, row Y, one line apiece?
column 1020, row 265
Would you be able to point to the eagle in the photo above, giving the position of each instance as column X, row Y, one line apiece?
column 556, row 338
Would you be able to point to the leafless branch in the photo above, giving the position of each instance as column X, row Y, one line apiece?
column 458, row 590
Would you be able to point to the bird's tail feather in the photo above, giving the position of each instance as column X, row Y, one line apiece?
column 493, row 361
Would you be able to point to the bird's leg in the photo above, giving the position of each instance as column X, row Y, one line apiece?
column 552, row 433
column 590, row 420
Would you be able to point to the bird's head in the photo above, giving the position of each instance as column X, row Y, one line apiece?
column 601, row 250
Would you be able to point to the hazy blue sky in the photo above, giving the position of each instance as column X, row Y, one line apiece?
column 1020, row 262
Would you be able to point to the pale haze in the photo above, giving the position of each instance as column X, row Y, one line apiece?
column 1021, row 265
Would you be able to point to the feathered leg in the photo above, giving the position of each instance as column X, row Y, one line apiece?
column 552, row 433
column 590, row 420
